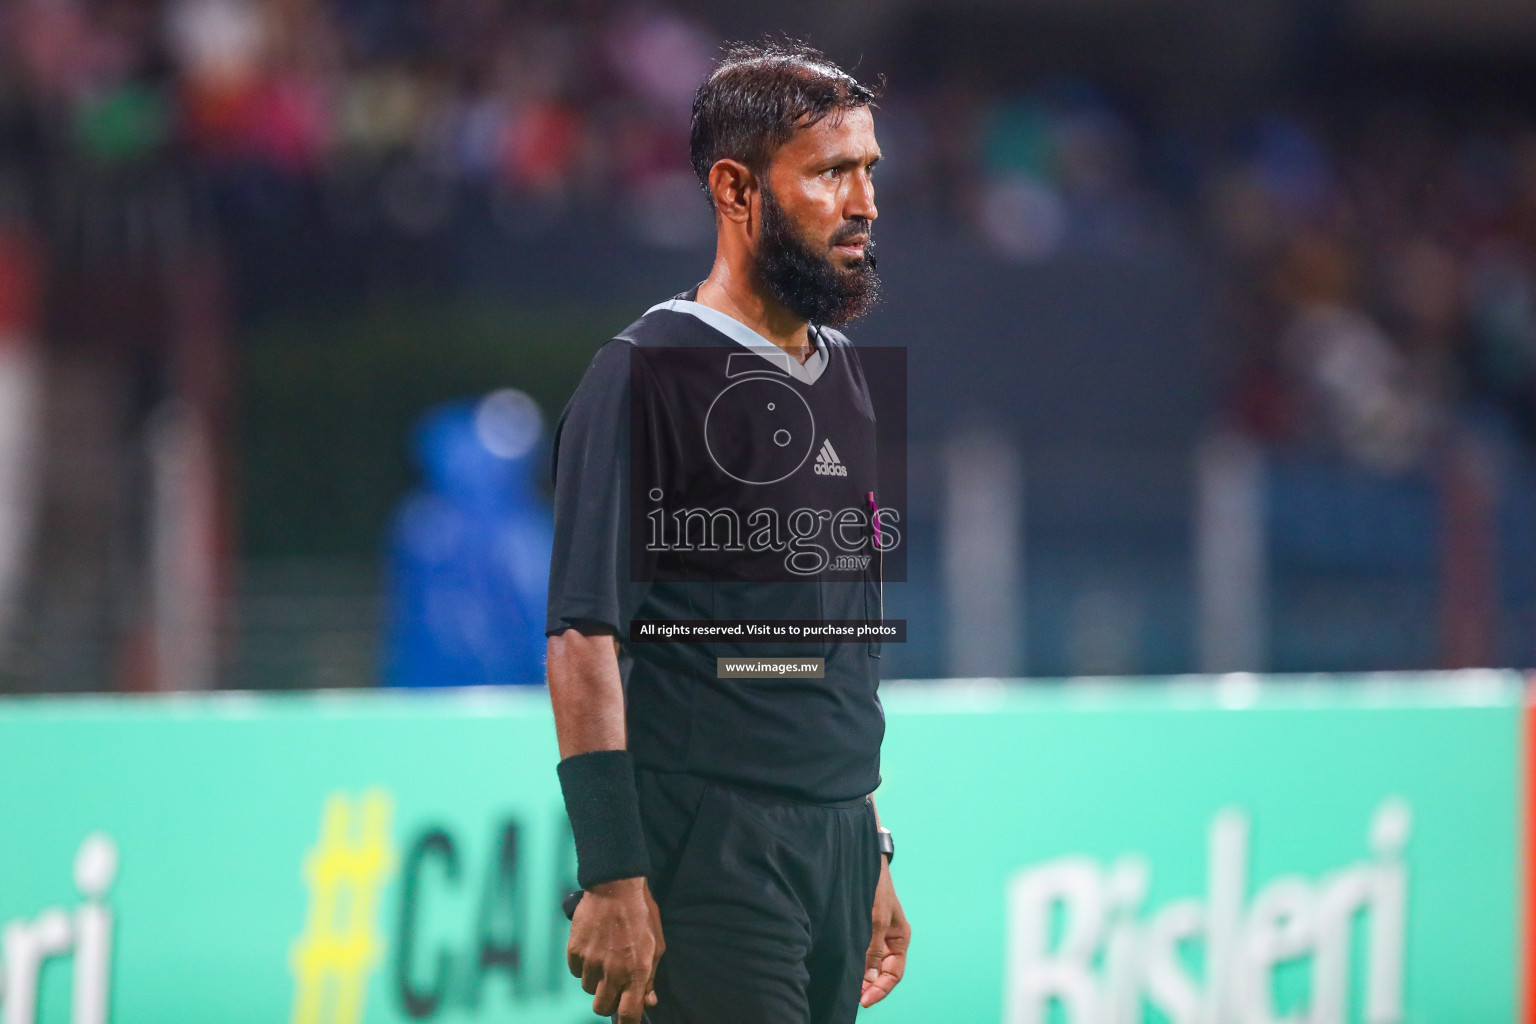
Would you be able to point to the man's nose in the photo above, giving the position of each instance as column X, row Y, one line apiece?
column 861, row 198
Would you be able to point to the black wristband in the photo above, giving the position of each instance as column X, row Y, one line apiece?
column 604, row 809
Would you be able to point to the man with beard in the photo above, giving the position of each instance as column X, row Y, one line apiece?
column 729, row 820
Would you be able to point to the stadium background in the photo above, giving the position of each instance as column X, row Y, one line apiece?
column 1220, row 318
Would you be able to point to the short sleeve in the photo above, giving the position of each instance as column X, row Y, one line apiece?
column 589, row 568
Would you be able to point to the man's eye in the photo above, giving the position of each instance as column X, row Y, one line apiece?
column 832, row 173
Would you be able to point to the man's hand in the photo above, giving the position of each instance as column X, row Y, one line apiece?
column 886, row 960
column 615, row 946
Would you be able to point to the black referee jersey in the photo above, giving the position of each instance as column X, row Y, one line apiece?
column 754, row 475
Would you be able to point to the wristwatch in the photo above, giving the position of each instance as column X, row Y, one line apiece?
column 887, row 844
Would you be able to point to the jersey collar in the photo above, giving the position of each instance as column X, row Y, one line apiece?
column 807, row 373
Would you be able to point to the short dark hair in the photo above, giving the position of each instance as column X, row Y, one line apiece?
column 756, row 98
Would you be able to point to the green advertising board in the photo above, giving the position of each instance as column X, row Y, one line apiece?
column 1192, row 853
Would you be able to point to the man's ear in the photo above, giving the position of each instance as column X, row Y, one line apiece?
column 733, row 186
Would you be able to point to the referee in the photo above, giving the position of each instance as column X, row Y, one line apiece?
column 727, row 821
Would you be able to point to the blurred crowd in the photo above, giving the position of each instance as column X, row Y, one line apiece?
column 406, row 101
column 1384, row 280
column 1380, row 271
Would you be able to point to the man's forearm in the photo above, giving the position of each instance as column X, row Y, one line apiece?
column 616, row 939
column 586, row 691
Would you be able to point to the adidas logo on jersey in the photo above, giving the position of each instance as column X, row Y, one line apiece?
column 827, row 462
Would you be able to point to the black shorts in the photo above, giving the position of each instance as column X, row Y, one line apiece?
column 765, row 903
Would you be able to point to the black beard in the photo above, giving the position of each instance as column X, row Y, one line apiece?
column 804, row 280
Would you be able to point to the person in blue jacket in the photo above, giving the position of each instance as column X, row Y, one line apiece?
column 469, row 552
